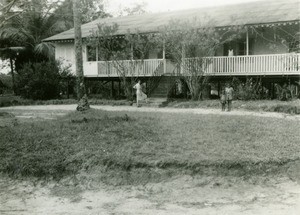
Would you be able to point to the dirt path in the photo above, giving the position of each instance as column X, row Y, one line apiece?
column 181, row 195
column 51, row 111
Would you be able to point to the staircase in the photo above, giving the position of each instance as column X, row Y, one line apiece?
column 152, row 102
column 163, row 87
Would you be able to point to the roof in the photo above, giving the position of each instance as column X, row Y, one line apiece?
column 251, row 13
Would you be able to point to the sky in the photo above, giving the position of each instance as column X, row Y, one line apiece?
column 113, row 6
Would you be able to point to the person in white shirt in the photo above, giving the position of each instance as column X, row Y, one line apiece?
column 140, row 95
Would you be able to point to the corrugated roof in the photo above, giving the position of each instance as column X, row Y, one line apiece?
column 260, row 12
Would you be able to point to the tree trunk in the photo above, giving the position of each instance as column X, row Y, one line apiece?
column 81, row 94
column 12, row 75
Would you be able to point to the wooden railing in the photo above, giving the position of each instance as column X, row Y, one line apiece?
column 277, row 64
column 124, row 67
column 244, row 65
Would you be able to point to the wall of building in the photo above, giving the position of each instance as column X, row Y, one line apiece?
column 153, row 54
column 268, row 41
column 262, row 41
column 65, row 52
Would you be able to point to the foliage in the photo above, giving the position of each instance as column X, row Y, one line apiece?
column 125, row 54
column 90, row 10
column 6, row 101
column 290, row 107
column 27, row 29
column 35, row 20
column 191, row 44
column 136, row 9
column 127, row 141
column 254, row 89
column 40, row 80
column 251, row 89
column 283, row 92
column 6, row 80
column 6, row 10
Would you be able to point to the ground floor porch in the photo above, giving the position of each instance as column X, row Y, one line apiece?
column 283, row 87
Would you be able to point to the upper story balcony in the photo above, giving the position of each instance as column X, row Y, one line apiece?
column 271, row 64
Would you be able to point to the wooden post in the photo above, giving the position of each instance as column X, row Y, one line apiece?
column 112, row 89
column 97, row 54
column 68, row 93
column 131, row 51
column 262, row 89
column 182, row 58
column 273, row 90
column 119, row 88
column 164, row 57
column 247, row 42
column 219, row 88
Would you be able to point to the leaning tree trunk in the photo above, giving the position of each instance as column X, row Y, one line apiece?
column 81, row 93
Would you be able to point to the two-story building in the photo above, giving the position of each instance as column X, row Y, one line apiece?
column 269, row 48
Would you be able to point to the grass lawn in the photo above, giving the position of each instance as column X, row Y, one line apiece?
column 130, row 141
column 290, row 107
column 10, row 100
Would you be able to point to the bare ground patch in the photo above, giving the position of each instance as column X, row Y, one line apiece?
column 178, row 195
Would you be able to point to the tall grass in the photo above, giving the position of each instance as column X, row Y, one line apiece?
column 6, row 101
column 131, row 141
column 289, row 107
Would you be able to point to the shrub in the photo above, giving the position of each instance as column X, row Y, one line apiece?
column 283, row 93
column 249, row 90
column 40, row 80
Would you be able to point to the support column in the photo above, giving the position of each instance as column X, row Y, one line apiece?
column 182, row 58
column 119, row 88
column 273, row 90
column 97, row 54
column 112, row 89
column 164, row 57
column 68, row 93
column 131, row 51
column 247, row 42
column 219, row 88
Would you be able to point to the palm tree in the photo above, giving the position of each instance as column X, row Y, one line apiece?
column 26, row 28
column 81, row 94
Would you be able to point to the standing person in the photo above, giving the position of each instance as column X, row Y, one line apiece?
column 229, row 96
column 140, row 95
column 223, row 99
column 230, row 52
column 230, row 59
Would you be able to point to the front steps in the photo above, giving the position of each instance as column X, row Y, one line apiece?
column 164, row 86
column 152, row 102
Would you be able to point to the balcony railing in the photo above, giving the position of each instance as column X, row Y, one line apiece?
column 124, row 67
column 275, row 64
column 244, row 65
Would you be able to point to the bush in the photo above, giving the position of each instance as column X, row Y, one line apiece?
column 39, row 80
column 249, row 90
column 283, row 93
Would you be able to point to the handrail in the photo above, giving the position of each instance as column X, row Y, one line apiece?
column 217, row 65
column 247, row 65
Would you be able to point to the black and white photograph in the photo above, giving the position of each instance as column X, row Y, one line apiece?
column 149, row 107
